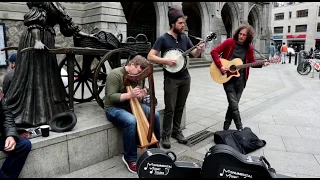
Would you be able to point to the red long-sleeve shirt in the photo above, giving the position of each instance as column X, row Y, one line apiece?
column 227, row 47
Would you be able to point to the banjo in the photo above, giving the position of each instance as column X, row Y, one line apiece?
column 182, row 57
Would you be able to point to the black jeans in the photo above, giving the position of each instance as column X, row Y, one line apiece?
column 234, row 88
column 175, row 96
column 14, row 163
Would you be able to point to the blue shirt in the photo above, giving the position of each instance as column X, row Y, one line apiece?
column 272, row 49
column 167, row 41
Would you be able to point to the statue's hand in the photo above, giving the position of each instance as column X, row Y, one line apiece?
column 39, row 45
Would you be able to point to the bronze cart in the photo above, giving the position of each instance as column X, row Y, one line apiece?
column 88, row 62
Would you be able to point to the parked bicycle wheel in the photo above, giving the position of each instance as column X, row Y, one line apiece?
column 304, row 68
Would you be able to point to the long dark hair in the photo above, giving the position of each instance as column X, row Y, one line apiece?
column 250, row 34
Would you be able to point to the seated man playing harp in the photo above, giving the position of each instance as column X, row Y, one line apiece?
column 118, row 110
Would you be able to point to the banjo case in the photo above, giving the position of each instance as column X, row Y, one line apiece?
column 156, row 163
column 223, row 161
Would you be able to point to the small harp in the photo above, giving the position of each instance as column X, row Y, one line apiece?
column 145, row 131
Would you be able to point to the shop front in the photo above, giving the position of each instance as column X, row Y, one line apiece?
column 277, row 40
column 297, row 42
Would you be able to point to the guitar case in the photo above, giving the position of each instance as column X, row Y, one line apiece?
column 156, row 163
column 223, row 161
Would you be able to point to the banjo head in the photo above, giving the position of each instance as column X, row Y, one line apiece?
column 175, row 54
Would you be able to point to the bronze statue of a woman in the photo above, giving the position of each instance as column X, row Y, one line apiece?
column 37, row 93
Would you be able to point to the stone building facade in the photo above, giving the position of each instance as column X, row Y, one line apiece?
column 220, row 17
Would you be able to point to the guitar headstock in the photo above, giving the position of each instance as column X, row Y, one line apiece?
column 211, row 37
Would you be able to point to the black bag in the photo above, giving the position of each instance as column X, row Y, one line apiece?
column 223, row 161
column 244, row 141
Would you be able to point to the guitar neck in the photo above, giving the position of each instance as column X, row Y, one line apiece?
column 259, row 63
column 189, row 50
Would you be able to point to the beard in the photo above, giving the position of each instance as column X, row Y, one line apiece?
column 177, row 31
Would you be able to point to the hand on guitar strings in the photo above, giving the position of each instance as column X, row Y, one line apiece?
column 224, row 69
column 201, row 46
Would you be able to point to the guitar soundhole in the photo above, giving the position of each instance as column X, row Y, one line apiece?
column 232, row 68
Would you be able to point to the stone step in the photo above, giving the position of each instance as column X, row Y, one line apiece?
column 111, row 168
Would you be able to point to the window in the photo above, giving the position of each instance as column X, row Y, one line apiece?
column 318, row 27
column 275, row 4
column 289, row 29
column 301, row 28
column 278, row 4
column 278, row 29
column 290, row 13
column 278, row 16
column 302, row 13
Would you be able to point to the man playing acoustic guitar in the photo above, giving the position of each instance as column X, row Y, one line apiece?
column 176, row 85
column 237, row 47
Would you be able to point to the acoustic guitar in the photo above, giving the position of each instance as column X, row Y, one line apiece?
column 234, row 66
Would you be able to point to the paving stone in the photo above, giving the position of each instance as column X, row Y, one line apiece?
column 205, row 148
column 302, row 145
column 314, row 121
column 301, row 113
column 261, row 119
column 284, row 106
column 281, row 130
column 293, row 162
column 278, row 112
column 306, row 176
column 309, row 132
column 210, row 121
column 292, row 120
column 287, row 174
column 195, row 127
column 273, row 142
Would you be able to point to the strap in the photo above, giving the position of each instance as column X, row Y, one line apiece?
column 262, row 158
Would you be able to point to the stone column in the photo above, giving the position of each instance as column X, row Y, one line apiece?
column 107, row 16
column 162, row 17
column 245, row 10
column 266, row 30
column 177, row 4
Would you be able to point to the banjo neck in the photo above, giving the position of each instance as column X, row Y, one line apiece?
column 189, row 50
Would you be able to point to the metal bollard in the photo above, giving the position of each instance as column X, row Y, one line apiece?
column 289, row 58
column 295, row 58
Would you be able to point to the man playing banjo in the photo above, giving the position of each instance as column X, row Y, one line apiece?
column 176, row 85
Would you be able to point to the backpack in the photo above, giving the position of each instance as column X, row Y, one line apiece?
column 284, row 48
column 244, row 141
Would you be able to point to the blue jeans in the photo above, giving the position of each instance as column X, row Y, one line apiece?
column 128, row 123
column 14, row 163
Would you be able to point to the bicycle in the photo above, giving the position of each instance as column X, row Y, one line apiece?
column 304, row 68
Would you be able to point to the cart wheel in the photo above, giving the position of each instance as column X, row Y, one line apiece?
column 82, row 78
column 100, row 76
